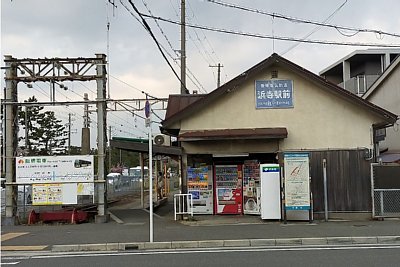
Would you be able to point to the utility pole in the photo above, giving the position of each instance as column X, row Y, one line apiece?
column 183, row 47
column 26, row 130
column 86, row 127
column 219, row 66
column 69, row 133
column 11, row 95
column 102, row 215
column 109, row 147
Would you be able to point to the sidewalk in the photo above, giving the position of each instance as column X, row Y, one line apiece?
column 130, row 230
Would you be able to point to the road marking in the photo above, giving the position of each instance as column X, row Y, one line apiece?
column 214, row 250
column 22, row 248
column 10, row 263
column 9, row 236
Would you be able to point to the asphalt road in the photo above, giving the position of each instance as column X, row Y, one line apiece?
column 295, row 256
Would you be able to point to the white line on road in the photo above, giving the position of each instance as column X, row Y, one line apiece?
column 209, row 250
column 10, row 263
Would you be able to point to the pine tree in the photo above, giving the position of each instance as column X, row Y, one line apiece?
column 46, row 134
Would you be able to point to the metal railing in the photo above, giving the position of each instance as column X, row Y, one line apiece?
column 183, row 204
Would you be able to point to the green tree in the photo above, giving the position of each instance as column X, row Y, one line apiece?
column 46, row 134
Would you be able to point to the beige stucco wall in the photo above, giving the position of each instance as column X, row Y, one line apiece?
column 319, row 119
column 388, row 97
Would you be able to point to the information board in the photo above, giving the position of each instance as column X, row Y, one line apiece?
column 297, row 181
column 54, row 169
column 56, row 180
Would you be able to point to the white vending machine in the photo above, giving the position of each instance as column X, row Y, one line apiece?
column 270, row 191
column 200, row 185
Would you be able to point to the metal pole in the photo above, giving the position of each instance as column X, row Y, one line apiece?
column 325, row 190
column 183, row 48
column 151, row 179
column 101, row 137
column 142, row 178
column 10, row 142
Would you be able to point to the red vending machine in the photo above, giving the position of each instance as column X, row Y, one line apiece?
column 228, row 189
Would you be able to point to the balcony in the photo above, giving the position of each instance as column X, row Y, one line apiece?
column 359, row 84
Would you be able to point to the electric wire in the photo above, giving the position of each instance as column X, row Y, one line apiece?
column 191, row 77
column 299, row 20
column 282, row 38
column 315, row 29
column 148, row 29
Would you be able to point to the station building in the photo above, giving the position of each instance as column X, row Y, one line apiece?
column 273, row 108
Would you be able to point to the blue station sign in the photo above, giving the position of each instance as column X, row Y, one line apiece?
column 274, row 94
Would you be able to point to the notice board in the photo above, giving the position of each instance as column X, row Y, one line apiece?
column 297, row 181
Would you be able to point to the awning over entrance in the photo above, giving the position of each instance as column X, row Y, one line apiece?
column 231, row 134
column 143, row 146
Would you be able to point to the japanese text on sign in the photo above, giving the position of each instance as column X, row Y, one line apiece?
column 274, row 94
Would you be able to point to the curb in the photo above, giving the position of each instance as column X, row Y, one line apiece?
column 318, row 241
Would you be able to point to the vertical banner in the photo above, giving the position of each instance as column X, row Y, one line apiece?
column 297, row 181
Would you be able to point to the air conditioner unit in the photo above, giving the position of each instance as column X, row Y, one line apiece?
column 162, row 140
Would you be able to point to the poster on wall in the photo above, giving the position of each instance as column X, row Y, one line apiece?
column 297, row 181
column 274, row 94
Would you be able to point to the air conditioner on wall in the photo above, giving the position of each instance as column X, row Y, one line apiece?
column 162, row 140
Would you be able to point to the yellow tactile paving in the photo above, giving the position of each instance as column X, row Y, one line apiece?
column 9, row 236
column 22, row 248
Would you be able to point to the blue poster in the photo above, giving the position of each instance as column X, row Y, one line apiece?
column 274, row 94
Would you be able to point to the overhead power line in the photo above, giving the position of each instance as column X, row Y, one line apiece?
column 282, row 38
column 194, row 79
column 299, row 20
column 315, row 29
column 148, row 29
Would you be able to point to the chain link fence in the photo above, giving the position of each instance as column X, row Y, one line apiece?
column 385, row 183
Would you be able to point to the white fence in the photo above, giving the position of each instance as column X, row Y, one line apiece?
column 183, row 204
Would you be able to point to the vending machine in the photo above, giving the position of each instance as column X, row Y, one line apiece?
column 200, row 185
column 228, row 189
column 251, row 187
column 270, row 191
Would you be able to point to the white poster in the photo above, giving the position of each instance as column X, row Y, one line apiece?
column 54, row 169
column 297, row 181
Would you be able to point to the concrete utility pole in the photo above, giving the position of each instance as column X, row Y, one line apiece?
column 69, row 133
column 219, row 66
column 26, row 129
column 11, row 142
column 86, row 127
column 109, row 148
column 101, row 216
column 183, row 47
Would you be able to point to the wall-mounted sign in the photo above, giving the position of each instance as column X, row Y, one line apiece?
column 274, row 94
column 297, row 181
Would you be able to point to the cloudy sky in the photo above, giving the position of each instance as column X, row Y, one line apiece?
column 78, row 28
